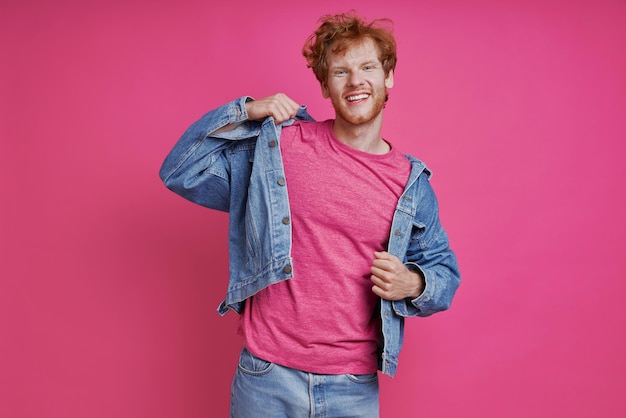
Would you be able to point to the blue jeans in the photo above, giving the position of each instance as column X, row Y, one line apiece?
column 268, row 390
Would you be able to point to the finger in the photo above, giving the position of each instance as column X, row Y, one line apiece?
column 378, row 292
column 287, row 101
column 384, row 294
column 383, row 276
column 279, row 106
column 289, row 111
column 282, row 112
column 384, row 255
column 286, row 111
column 380, row 284
column 389, row 266
column 286, row 106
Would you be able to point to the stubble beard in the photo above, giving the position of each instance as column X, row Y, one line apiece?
column 377, row 105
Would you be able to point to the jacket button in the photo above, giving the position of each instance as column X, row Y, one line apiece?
column 272, row 143
column 397, row 233
column 287, row 269
column 286, row 220
column 281, row 182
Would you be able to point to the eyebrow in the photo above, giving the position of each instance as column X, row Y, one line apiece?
column 343, row 67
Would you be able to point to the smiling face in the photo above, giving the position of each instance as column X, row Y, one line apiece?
column 356, row 83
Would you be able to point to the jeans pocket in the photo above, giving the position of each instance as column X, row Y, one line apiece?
column 363, row 378
column 253, row 365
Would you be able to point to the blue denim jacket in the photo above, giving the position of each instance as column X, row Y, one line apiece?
column 241, row 171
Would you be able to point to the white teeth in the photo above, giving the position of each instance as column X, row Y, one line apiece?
column 357, row 97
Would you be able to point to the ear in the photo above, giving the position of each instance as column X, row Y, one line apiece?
column 389, row 80
column 325, row 92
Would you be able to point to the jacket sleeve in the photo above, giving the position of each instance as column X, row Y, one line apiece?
column 198, row 167
column 430, row 254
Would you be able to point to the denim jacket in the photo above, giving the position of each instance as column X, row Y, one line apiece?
column 240, row 171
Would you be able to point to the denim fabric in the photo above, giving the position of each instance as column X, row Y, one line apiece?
column 264, row 389
column 241, row 171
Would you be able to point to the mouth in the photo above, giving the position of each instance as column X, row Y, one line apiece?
column 353, row 98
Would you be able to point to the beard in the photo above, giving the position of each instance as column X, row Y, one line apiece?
column 376, row 102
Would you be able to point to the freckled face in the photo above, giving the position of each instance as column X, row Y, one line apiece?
column 356, row 83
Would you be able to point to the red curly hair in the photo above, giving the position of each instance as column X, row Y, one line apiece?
column 344, row 30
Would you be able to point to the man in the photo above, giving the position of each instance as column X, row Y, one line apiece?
column 334, row 234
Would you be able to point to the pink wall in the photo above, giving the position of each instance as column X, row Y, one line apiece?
column 109, row 282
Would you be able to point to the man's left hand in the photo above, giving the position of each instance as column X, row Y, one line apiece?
column 393, row 280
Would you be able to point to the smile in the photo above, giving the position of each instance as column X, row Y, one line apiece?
column 357, row 97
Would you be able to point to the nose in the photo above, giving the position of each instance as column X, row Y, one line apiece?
column 355, row 78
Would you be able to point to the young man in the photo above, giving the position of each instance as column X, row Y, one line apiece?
column 334, row 234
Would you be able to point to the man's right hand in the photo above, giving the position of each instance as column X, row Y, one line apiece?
column 280, row 106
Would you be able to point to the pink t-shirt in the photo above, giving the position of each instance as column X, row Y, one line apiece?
column 342, row 202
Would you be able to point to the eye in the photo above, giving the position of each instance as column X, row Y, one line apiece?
column 370, row 67
column 340, row 72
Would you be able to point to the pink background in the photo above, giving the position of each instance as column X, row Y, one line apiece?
column 109, row 283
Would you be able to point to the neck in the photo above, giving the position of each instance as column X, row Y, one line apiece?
column 364, row 137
